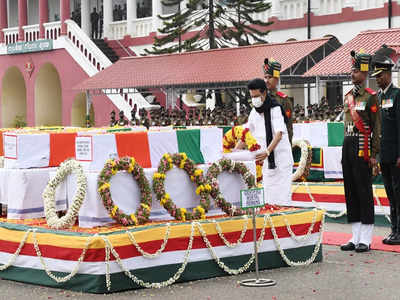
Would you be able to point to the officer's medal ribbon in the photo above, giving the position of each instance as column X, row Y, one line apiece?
column 387, row 103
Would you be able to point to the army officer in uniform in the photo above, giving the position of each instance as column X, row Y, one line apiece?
column 272, row 70
column 389, row 98
column 360, row 147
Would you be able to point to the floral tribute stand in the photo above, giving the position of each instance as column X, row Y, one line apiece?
column 135, row 252
column 251, row 199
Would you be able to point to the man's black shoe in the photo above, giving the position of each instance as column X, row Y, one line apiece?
column 348, row 247
column 394, row 240
column 386, row 239
column 362, row 248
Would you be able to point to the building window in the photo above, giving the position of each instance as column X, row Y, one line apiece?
column 144, row 9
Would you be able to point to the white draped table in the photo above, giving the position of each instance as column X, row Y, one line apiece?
column 21, row 190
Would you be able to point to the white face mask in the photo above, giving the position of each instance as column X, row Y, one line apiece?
column 257, row 101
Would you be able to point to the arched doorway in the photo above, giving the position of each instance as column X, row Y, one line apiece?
column 13, row 104
column 48, row 102
column 78, row 111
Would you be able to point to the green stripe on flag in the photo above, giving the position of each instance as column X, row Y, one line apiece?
column 225, row 128
column 317, row 164
column 317, row 160
column 335, row 134
column 189, row 142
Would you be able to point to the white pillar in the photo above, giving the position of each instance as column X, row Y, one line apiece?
column 85, row 17
column 305, row 100
column 276, row 8
column 315, row 6
column 157, row 10
column 108, row 18
column 349, row 3
column 130, row 16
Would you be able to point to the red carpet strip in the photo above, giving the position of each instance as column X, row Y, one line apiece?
column 339, row 238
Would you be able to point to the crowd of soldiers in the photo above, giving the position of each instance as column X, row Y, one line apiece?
column 176, row 117
column 218, row 117
column 316, row 112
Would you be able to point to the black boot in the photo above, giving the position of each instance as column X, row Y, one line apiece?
column 394, row 224
column 395, row 239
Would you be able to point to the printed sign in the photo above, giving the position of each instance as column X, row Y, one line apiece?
column 10, row 146
column 252, row 198
column 28, row 47
column 84, row 148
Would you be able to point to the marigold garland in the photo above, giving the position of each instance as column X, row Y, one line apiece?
column 238, row 133
column 227, row 165
column 203, row 189
column 128, row 164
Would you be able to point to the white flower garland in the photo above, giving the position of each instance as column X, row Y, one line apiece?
column 16, row 253
column 310, row 229
column 247, row 265
column 380, row 204
column 109, row 248
column 159, row 251
column 76, row 268
column 66, row 168
column 304, row 148
column 282, row 252
column 239, row 241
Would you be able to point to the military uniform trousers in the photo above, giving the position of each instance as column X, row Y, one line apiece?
column 391, row 180
column 357, row 177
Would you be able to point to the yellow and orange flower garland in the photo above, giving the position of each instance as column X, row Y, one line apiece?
column 238, row 133
column 196, row 176
column 128, row 164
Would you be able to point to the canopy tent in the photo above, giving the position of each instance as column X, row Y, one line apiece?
column 337, row 65
column 210, row 69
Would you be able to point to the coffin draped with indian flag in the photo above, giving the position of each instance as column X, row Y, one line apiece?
column 48, row 149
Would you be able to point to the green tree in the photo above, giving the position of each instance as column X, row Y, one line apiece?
column 213, row 23
column 244, row 29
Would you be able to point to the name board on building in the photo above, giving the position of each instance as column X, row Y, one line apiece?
column 28, row 47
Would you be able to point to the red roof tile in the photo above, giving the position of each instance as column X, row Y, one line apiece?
column 202, row 67
column 338, row 62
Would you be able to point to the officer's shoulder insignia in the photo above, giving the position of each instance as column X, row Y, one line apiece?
column 370, row 91
column 282, row 95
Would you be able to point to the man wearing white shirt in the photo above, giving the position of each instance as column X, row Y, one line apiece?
column 267, row 123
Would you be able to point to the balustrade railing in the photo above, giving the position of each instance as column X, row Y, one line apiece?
column 11, row 35
column 31, row 32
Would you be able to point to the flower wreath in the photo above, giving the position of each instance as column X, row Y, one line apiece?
column 238, row 133
column 128, row 164
column 303, row 169
column 227, row 165
column 196, row 176
column 68, row 220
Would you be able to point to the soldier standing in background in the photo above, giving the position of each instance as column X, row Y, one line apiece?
column 272, row 70
column 389, row 99
column 360, row 147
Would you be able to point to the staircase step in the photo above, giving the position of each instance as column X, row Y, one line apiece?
column 104, row 47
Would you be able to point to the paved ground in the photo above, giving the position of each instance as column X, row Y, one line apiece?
column 342, row 275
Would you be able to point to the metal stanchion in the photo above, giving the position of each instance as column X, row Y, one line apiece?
column 256, row 282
